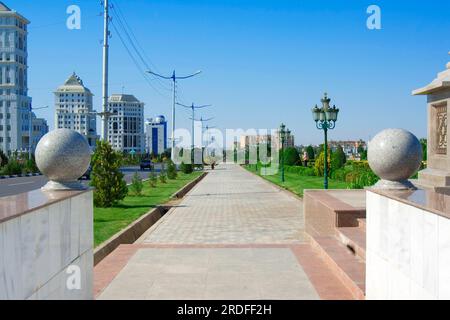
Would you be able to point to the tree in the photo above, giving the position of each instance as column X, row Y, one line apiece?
column 136, row 184
column 291, row 156
column 107, row 179
column 152, row 179
column 171, row 170
column 310, row 151
column 3, row 159
column 163, row 175
column 186, row 168
column 320, row 164
column 338, row 159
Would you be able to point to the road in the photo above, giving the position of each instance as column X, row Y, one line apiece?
column 14, row 186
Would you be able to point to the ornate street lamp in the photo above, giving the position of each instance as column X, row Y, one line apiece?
column 282, row 138
column 325, row 119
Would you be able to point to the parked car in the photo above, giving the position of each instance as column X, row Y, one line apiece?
column 87, row 174
column 146, row 164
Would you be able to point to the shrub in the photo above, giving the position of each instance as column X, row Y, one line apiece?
column 186, row 168
column 301, row 171
column 136, row 185
column 107, row 179
column 320, row 164
column 12, row 167
column 310, row 151
column 291, row 156
column 152, row 179
column 171, row 170
column 338, row 159
column 163, row 175
column 3, row 159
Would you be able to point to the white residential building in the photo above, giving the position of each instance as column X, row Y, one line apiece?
column 14, row 101
column 73, row 108
column 40, row 129
column 156, row 135
column 126, row 123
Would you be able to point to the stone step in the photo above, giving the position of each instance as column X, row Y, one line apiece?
column 349, row 268
column 354, row 239
column 362, row 223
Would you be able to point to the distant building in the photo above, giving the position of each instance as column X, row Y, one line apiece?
column 73, row 109
column 39, row 129
column 156, row 135
column 350, row 148
column 253, row 140
column 14, row 100
column 126, row 124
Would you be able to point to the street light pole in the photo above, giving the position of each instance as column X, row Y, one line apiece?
column 105, row 71
column 282, row 136
column 193, row 107
column 325, row 119
column 174, row 79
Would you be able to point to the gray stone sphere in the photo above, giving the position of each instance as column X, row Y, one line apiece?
column 395, row 154
column 63, row 155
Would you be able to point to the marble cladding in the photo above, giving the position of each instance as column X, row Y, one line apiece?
column 36, row 249
column 408, row 251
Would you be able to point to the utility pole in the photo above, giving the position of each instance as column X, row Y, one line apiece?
column 193, row 107
column 174, row 79
column 105, row 71
column 202, row 120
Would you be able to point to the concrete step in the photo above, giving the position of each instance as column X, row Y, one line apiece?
column 348, row 267
column 354, row 239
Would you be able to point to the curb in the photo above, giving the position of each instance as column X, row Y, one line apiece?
column 137, row 228
column 24, row 175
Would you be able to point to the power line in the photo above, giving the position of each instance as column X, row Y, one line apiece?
column 132, row 39
column 174, row 79
column 136, row 63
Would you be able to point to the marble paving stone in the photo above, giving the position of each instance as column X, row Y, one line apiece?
column 14, row 284
column 430, row 244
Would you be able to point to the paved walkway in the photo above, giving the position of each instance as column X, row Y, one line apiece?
column 234, row 236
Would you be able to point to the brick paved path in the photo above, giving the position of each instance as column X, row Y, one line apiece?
column 234, row 236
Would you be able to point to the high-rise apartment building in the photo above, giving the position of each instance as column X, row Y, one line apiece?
column 126, row 123
column 15, row 104
column 156, row 135
column 73, row 109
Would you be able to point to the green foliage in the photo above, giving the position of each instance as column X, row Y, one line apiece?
column 424, row 144
column 152, row 179
column 319, row 165
column 186, row 168
column 301, row 171
column 3, row 159
column 291, row 156
column 338, row 159
column 107, row 179
column 163, row 175
column 171, row 170
column 30, row 166
column 357, row 174
column 13, row 167
column 136, row 184
column 310, row 151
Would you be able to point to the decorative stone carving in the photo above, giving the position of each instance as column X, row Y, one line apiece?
column 63, row 156
column 394, row 155
column 441, row 132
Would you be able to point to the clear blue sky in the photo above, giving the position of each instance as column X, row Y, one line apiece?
column 264, row 62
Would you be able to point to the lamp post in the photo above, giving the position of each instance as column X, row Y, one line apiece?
column 282, row 138
column 325, row 119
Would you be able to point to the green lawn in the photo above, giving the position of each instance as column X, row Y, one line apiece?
column 296, row 183
column 109, row 221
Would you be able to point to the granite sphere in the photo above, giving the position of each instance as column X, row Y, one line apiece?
column 395, row 154
column 63, row 155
